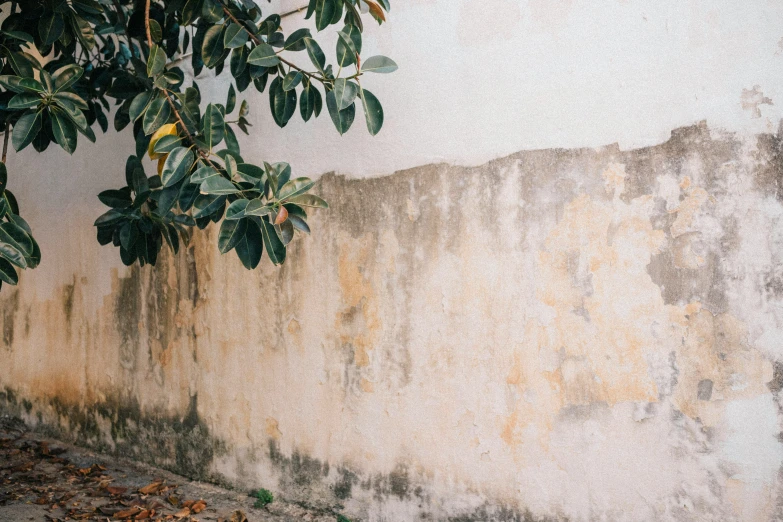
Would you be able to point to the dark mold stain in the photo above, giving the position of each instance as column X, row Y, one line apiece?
column 10, row 307
column 704, row 390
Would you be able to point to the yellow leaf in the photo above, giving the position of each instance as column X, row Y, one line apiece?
column 165, row 130
column 161, row 162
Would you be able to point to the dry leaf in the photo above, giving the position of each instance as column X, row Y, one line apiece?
column 198, row 507
column 128, row 513
column 149, row 489
column 182, row 513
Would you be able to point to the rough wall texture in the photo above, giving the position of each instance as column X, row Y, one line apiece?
column 576, row 335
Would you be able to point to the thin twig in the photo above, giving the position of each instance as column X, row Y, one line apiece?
column 5, row 140
column 258, row 41
column 297, row 10
column 173, row 106
column 147, row 23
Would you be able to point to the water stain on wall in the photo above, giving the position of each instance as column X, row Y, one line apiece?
column 556, row 335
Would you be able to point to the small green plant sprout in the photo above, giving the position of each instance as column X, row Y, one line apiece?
column 263, row 497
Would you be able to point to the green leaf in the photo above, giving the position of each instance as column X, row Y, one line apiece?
column 308, row 100
column 236, row 210
column 139, row 105
column 177, row 166
column 26, row 129
column 231, row 232
column 212, row 49
column 20, row 238
column 8, row 273
column 213, row 126
column 345, row 93
column 379, row 64
column 294, row 188
column 187, row 196
column 24, row 100
column 263, row 54
column 349, row 44
column 239, row 61
column 166, row 144
column 50, row 27
column 250, row 247
column 19, row 64
column 155, row 31
column 308, row 200
column 17, row 84
column 202, row 173
column 73, row 98
column 373, row 112
column 66, row 76
column 116, row 198
column 218, row 185
column 291, row 80
column 235, row 36
column 342, row 119
column 84, row 32
column 156, row 62
column 274, row 247
column 157, row 114
column 63, row 130
column 11, row 251
column 3, row 179
column 231, row 100
column 299, row 223
column 315, row 53
column 129, row 233
column 257, row 208
column 295, row 41
column 282, row 103
column 207, row 204
column 324, row 12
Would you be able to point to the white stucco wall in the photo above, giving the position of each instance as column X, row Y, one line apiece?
column 531, row 336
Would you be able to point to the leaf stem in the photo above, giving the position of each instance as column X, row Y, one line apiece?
column 147, row 23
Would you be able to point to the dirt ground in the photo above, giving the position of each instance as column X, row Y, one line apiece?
column 46, row 480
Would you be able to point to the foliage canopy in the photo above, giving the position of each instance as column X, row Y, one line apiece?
column 65, row 63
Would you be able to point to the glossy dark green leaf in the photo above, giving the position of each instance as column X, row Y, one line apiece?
column 139, row 105
column 250, row 247
column 285, row 232
column 294, row 188
column 212, row 49
column 324, row 12
column 274, row 247
column 373, row 112
column 24, row 100
column 308, row 200
column 345, row 93
column 213, row 126
column 167, row 143
column 295, row 41
column 231, row 99
column 207, row 204
column 379, row 64
column 202, row 173
column 25, row 129
column 263, row 54
column 157, row 114
column 315, row 53
column 10, row 251
column 177, row 166
column 342, row 119
column 349, row 44
column 50, row 27
column 307, row 101
column 235, row 36
column 8, row 273
column 231, row 232
column 156, row 62
column 239, row 61
column 21, row 66
column 218, row 185
column 291, row 80
column 236, row 210
column 63, row 130
column 129, row 233
column 257, row 208
column 84, row 31
column 116, row 198
column 299, row 223
column 3, row 179
column 187, row 195
column 282, row 103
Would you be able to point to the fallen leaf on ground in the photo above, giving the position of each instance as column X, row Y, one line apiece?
column 149, row 489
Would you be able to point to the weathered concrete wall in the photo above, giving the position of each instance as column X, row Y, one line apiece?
column 587, row 334
column 566, row 333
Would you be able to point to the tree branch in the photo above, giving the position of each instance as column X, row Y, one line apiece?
column 258, row 40
column 147, row 23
